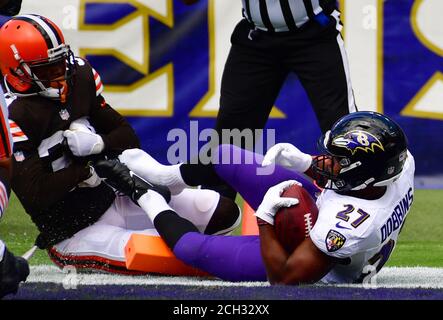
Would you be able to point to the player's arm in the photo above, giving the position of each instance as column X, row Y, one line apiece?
column 307, row 264
column 35, row 182
column 115, row 130
column 39, row 188
column 112, row 132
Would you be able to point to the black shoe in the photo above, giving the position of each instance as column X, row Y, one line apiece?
column 13, row 270
column 119, row 176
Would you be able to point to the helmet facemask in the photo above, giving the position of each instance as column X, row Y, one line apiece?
column 333, row 172
column 49, row 77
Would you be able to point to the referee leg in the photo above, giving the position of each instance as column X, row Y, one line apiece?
column 251, row 82
column 252, row 78
column 323, row 70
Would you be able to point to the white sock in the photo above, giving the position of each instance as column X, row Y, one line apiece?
column 172, row 178
column 153, row 203
column 145, row 166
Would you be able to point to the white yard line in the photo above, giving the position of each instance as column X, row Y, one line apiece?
column 406, row 277
column 51, row 274
column 393, row 277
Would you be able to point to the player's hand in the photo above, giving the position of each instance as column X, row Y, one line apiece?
column 13, row 270
column 273, row 201
column 289, row 156
column 84, row 143
column 82, row 124
column 82, row 138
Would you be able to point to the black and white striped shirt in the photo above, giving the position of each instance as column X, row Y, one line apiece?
column 286, row 15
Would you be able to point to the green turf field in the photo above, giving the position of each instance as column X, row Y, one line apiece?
column 421, row 241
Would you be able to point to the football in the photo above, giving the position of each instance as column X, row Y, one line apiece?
column 293, row 224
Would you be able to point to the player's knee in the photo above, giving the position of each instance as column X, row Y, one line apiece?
column 225, row 219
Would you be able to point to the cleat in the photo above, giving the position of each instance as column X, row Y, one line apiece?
column 118, row 176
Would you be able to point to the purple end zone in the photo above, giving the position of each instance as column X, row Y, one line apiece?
column 48, row 291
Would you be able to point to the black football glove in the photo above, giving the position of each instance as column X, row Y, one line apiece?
column 13, row 270
column 11, row 8
column 118, row 176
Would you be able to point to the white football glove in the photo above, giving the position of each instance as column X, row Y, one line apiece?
column 82, row 139
column 289, row 156
column 145, row 166
column 82, row 124
column 273, row 201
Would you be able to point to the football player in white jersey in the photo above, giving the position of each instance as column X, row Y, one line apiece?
column 368, row 179
column 366, row 175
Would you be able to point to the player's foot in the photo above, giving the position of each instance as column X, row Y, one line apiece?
column 118, row 176
column 145, row 166
column 13, row 270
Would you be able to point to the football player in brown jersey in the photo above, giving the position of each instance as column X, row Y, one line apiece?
column 61, row 122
